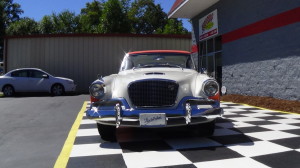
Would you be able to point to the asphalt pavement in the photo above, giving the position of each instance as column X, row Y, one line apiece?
column 33, row 129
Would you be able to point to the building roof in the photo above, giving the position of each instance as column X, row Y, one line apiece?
column 189, row 8
column 160, row 51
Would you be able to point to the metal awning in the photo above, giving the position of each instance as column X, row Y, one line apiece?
column 189, row 8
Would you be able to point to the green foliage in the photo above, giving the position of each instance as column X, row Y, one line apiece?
column 24, row 26
column 114, row 19
column 173, row 26
column 46, row 25
column 90, row 17
column 65, row 22
column 146, row 17
column 9, row 13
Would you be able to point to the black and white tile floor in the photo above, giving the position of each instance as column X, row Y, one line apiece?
column 245, row 137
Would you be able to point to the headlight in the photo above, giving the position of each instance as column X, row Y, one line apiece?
column 210, row 88
column 97, row 90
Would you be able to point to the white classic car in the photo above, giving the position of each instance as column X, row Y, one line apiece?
column 34, row 80
column 156, row 88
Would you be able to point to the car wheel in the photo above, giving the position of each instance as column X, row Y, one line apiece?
column 57, row 90
column 206, row 129
column 107, row 132
column 8, row 91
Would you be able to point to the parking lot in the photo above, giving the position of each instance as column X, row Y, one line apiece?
column 38, row 132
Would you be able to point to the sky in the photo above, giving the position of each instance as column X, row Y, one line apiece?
column 36, row 9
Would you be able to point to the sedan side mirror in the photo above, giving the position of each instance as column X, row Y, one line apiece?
column 45, row 76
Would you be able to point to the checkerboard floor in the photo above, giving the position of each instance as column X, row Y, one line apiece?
column 245, row 137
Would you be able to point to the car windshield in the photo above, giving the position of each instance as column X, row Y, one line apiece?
column 150, row 60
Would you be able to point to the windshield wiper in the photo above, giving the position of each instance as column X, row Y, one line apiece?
column 144, row 66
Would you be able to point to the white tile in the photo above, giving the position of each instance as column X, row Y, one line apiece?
column 236, row 162
column 186, row 143
column 87, row 132
column 295, row 116
column 286, row 121
column 271, row 135
column 279, row 127
column 258, row 148
column 95, row 149
column 234, row 125
column 233, row 110
column 242, row 124
column 154, row 159
column 263, row 111
column 257, row 115
column 224, row 131
column 87, row 121
column 245, row 119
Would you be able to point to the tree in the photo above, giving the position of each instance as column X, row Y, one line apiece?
column 65, row 22
column 173, row 26
column 9, row 13
column 90, row 17
column 114, row 18
column 24, row 26
column 146, row 17
column 46, row 25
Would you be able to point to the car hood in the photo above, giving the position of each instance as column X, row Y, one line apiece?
column 62, row 78
column 184, row 77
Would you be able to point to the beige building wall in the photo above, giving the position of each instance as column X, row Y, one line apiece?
column 82, row 58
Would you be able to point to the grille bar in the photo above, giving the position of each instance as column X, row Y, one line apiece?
column 153, row 93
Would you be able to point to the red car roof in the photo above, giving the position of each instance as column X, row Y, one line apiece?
column 160, row 51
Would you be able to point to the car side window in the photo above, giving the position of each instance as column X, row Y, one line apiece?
column 36, row 74
column 21, row 73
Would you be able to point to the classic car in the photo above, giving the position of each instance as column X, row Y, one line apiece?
column 34, row 80
column 156, row 88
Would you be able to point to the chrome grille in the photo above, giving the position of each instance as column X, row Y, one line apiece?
column 153, row 93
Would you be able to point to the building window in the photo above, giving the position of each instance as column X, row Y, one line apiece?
column 210, row 54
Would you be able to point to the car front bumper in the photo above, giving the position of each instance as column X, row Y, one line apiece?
column 190, row 111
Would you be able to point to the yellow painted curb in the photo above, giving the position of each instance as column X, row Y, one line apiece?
column 263, row 108
column 64, row 155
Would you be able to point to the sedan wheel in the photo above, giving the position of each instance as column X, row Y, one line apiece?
column 57, row 90
column 8, row 91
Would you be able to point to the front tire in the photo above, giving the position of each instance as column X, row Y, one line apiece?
column 8, row 91
column 107, row 132
column 57, row 90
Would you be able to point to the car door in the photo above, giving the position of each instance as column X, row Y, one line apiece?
column 39, row 81
column 19, row 80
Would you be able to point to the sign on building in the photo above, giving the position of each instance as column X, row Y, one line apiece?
column 208, row 25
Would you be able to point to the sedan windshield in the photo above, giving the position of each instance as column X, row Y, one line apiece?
column 150, row 60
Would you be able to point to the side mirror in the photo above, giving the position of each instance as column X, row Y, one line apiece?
column 45, row 76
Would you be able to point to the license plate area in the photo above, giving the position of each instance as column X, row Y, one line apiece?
column 153, row 119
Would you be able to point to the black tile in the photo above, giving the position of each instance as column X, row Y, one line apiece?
column 88, row 126
column 234, row 105
column 209, row 154
column 296, row 124
column 97, row 161
column 142, row 146
column 276, row 113
column 88, row 140
column 293, row 143
column 179, row 166
column 272, row 118
column 261, row 122
column 250, row 129
column 289, row 159
column 223, row 120
column 251, row 108
column 233, row 115
column 84, row 118
column 246, row 112
column 293, row 131
column 233, row 139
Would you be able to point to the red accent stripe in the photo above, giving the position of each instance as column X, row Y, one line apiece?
column 282, row 19
column 176, row 4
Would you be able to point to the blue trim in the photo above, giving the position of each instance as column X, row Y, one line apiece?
column 127, row 111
